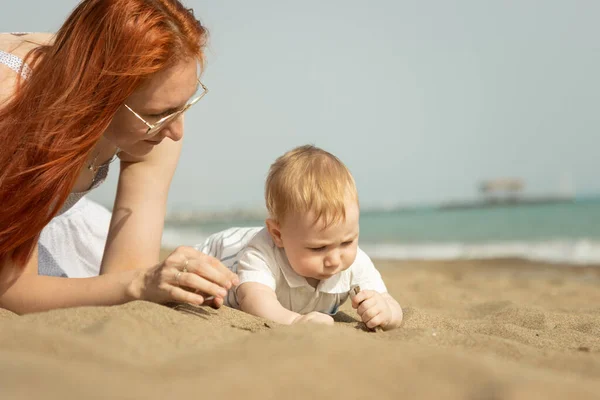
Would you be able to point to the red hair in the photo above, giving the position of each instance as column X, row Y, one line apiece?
column 102, row 53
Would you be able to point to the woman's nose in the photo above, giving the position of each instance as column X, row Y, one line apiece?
column 174, row 130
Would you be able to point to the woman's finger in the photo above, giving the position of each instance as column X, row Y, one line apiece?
column 184, row 296
column 191, row 260
column 218, row 265
column 199, row 258
column 200, row 284
column 208, row 272
column 214, row 302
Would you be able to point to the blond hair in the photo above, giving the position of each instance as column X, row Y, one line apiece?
column 308, row 178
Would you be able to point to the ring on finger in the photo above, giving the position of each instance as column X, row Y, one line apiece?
column 177, row 277
column 184, row 270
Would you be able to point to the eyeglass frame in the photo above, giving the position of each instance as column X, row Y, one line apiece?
column 160, row 124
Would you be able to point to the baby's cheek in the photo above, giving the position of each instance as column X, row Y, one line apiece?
column 352, row 251
column 349, row 259
column 307, row 265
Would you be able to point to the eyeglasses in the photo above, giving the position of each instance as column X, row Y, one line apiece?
column 164, row 121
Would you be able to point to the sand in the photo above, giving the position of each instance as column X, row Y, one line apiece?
column 505, row 329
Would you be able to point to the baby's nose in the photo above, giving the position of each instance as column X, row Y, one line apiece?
column 333, row 259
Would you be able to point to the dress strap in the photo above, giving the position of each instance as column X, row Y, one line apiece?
column 15, row 63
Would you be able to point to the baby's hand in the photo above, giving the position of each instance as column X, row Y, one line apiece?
column 314, row 317
column 372, row 308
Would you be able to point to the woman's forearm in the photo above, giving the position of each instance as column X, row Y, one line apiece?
column 33, row 293
column 136, row 227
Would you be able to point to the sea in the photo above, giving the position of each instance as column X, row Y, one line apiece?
column 565, row 233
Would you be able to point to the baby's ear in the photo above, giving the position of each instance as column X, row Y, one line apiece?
column 274, row 231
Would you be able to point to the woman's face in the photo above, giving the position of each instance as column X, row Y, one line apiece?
column 167, row 92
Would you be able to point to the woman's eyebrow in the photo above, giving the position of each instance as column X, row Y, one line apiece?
column 171, row 110
column 163, row 110
column 160, row 111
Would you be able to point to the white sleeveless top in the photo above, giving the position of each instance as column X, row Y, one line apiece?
column 72, row 244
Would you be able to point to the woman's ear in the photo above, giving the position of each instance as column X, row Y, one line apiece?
column 274, row 231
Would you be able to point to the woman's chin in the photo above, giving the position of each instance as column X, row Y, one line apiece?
column 139, row 149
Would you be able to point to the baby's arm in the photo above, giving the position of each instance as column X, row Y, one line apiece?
column 260, row 300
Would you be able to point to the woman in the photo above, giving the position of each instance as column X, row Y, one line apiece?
column 112, row 83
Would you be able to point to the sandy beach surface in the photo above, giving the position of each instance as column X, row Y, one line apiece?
column 503, row 329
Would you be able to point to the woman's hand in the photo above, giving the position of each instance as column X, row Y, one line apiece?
column 186, row 276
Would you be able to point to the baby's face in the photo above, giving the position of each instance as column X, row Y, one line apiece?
column 318, row 252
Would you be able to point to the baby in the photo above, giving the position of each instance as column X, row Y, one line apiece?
column 302, row 266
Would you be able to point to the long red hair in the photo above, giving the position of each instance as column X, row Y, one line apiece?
column 102, row 53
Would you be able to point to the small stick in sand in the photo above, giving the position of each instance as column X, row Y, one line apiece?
column 354, row 290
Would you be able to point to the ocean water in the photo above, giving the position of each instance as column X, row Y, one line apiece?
column 560, row 233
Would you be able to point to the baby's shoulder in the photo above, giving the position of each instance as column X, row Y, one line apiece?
column 261, row 242
column 261, row 247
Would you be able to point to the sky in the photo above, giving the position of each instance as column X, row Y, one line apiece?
column 421, row 99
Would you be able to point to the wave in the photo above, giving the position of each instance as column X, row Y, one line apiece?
column 567, row 251
column 575, row 252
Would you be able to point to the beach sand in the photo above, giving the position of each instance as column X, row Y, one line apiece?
column 504, row 329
